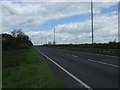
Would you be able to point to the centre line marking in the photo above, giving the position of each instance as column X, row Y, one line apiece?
column 71, row 55
column 70, row 74
column 104, row 63
column 74, row 56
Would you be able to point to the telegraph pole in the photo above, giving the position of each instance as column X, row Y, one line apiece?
column 45, row 40
column 118, row 21
column 92, row 21
column 54, row 34
column 41, row 40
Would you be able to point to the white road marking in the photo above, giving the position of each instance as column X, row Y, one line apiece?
column 104, row 63
column 68, row 54
column 70, row 74
column 105, row 55
column 99, row 54
column 71, row 55
column 98, row 61
column 112, row 56
column 74, row 56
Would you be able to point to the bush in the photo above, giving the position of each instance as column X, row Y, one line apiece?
column 24, row 46
column 18, row 40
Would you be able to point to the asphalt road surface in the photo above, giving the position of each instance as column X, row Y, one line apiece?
column 88, row 69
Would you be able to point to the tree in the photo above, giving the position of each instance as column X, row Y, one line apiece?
column 19, row 34
column 21, row 38
column 49, row 43
column 54, row 42
column 6, row 41
column 18, row 40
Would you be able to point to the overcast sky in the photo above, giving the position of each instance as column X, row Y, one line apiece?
column 72, row 20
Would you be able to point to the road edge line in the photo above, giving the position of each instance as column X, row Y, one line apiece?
column 70, row 74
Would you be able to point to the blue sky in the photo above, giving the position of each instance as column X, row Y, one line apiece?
column 75, row 18
column 48, row 25
column 110, row 9
column 72, row 21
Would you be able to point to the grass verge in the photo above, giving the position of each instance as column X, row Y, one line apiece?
column 89, row 51
column 27, row 69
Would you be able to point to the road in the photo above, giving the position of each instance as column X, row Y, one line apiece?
column 96, row 71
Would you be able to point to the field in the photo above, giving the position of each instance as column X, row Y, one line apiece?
column 26, row 68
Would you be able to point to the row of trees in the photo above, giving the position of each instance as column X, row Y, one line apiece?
column 16, row 40
column 110, row 45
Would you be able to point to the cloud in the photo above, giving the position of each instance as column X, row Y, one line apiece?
column 105, row 30
column 61, row 0
column 37, row 14
column 32, row 14
column 27, row 13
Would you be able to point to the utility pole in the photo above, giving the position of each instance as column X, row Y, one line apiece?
column 45, row 40
column 54, row 34
column 92, row 21
column 118, row 21
column 41, row 40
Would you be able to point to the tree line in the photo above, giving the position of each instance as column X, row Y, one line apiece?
column 109, row 45
column 16, row 40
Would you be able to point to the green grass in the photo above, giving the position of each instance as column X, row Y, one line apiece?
column 27, row 69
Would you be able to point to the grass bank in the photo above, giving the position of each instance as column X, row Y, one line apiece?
column 27, row 69
column 89, row 50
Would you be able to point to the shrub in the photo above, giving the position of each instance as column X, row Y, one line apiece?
column 24, row 46
column 18, row 40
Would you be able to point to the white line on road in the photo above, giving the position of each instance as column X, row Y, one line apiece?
column 74, row 77
column 68, row 54
column 99, row 54
column 104, row 55
column 97, row 61
column 72, row 55
column 104, row 63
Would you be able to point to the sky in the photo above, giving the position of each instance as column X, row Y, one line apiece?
column 72, row 21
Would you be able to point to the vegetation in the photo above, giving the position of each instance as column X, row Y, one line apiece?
column 27, row 69
column 16, row 40
column 111, row 48
column 110, row 45
column 23, row 66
